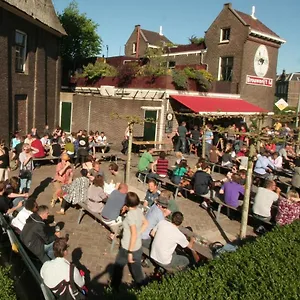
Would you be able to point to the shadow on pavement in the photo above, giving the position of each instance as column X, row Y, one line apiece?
column 41, row 188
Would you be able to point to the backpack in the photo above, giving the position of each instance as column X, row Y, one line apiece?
column 218, row 249
column 62, row 290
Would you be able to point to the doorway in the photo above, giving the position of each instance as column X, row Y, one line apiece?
column 150, row 126
column 66, row 116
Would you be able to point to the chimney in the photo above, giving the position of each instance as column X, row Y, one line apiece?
column 160, row 30
column 253, row 13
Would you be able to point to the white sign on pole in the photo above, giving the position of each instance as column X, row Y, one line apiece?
column 281, row 104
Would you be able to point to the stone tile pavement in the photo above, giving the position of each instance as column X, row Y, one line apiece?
column 88, row 241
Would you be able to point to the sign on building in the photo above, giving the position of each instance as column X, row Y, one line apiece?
column 281, row 104
column 254, row 80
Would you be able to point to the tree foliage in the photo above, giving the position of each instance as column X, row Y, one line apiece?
column 196, row 40
column 99, row 69
column 82, row 40
column 7, row 285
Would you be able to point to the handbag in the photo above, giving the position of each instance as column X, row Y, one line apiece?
column 25, row 174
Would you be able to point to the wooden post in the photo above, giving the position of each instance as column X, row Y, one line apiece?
column 259, row 125
column 297, row 126
column 246, row 202
column 203, row 138
column 128, row 163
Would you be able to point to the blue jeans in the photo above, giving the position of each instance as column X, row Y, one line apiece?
column 48, row 248
column 134, row 268
column 25, row 185
column 181, row 144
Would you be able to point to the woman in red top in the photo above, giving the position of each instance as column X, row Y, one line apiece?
column 161, row 164
column 288, row 209
column 63, row 175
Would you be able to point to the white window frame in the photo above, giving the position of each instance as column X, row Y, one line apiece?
column 219, row 68
column 24, row 53
column 222, row 33
column 134, row 47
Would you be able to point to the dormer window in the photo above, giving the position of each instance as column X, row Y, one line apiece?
column 134, row 48
column 225, row 35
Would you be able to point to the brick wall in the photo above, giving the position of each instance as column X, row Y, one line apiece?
column 101, row 118
column 243, row 49
column 186, row 59
column 133, row 39
column 293, row 93
column 39, row 82
column 259, row 95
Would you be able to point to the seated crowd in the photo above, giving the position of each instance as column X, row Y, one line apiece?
column 151, row 227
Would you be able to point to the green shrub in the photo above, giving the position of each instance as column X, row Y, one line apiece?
column 267, row 268
column 180, row 80
column 98, row 70
column 7, row 285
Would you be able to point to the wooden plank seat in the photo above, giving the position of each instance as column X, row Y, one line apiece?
column 85, row 210
column 157, row 151
column 46, row 158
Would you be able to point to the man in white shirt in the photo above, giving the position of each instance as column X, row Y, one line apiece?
column 264, row 200
column 57, row 270
column 166, row 238
column 30, row 207
column 102, row 141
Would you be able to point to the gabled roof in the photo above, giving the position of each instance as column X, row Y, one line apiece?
column 41, row 10
column 154, row 38
column 256, row 24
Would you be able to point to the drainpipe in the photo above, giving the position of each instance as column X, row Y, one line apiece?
column 89, row 116
column 201, row 61
column 138, row 37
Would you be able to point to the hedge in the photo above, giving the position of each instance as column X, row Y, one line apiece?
column 6, row 285
column 267, row 268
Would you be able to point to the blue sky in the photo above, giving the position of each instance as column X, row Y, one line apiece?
column 181, row 19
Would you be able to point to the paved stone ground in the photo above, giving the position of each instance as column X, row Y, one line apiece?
column 88, row 241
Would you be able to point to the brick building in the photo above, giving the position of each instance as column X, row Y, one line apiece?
column 242, row 55
column 239, row 51
column 30, row 65
column 288, row 88
column 141, row 39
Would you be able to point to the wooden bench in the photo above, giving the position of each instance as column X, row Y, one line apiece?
column 157, row 151
column 84, row 210
column 46, row 158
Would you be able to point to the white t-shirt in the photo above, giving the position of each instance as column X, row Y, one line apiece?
column 57, row 270
column 20, row 220
column 263, row 202
column 101, row 140
column 166, row 239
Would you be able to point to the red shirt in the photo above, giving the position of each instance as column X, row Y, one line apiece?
column 37, row 144
column 162, row 166
column 288, row 211
column 270, row 147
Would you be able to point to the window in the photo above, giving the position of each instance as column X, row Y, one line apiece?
column 225, row 35
column 226, row 68
column 20, row 44
column 171, row 64
column 134, row 48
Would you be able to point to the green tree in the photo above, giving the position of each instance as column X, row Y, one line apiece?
column 196, row 40
column 82, row 40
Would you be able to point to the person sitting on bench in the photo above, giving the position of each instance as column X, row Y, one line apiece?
column 114, row 208
column 264, row 200
column 166, row 238
column 157, row 213
column 146, row 161
column 232, row 191
column 152, row 193
column 201, row 183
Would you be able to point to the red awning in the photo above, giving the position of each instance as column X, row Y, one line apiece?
column 209, row 105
